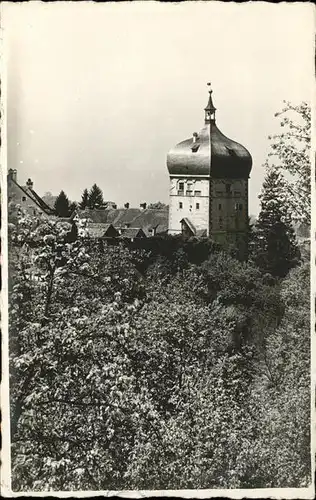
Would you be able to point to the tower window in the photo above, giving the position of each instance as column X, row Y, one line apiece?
column 180, row 204
column 238, row 206
column 219, row 206
column 197, row 193
column 220, row 223
column 181, row 188
column 228, row 188
column 189, row 192
column 197, row 205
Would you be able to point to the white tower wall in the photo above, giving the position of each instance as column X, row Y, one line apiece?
column 189, row 198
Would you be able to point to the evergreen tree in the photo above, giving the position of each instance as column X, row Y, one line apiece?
column 84, row 199
column 62, row 205
column 274, row 246
column 95, row 199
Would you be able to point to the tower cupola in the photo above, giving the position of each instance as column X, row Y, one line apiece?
column 210, row 152
column 210, row 108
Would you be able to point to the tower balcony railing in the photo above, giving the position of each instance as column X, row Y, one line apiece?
column 180, row 193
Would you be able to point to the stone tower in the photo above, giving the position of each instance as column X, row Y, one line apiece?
column 209, row 185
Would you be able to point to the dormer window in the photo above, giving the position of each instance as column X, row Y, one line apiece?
column 23, row 198
column 231, row 151
column 195, row 147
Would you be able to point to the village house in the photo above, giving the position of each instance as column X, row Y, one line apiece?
column 128, row 223
column 26, row 196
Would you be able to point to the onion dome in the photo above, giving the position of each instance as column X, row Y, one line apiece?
column 210, row 152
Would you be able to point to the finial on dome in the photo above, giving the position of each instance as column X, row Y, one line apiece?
column 210, row 108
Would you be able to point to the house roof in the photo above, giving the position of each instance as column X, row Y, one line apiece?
column 133, row 232
column 98, row 229
column 201, row 233
column 150, row 218
column 33, row 196
column 189, row 224
column 39, row 201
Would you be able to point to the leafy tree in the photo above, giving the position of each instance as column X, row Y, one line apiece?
column 275, row 248
column 49, row 199
column 84, row 199
column 281, row 392
column 176, row 376
column 291, row 150
column 62, row 205
column 95, row 199
column 158, row 205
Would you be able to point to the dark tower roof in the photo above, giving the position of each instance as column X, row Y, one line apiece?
column 210, row 152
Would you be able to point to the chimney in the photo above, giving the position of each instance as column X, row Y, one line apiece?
column 29, row 184
column 126, row 205
column 143, row 205
column 195, row 136
column 12, row 174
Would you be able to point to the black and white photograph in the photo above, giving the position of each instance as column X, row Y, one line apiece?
column 157, row 307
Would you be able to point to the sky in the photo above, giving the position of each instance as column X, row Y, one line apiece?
column 99, row 92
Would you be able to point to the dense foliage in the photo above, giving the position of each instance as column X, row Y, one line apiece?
column 130, row 370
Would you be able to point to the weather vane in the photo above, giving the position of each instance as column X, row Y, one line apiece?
column 209, row 85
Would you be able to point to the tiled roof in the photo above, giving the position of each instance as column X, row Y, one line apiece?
column 133, row 232
column 150, row 218
column 99, row 229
